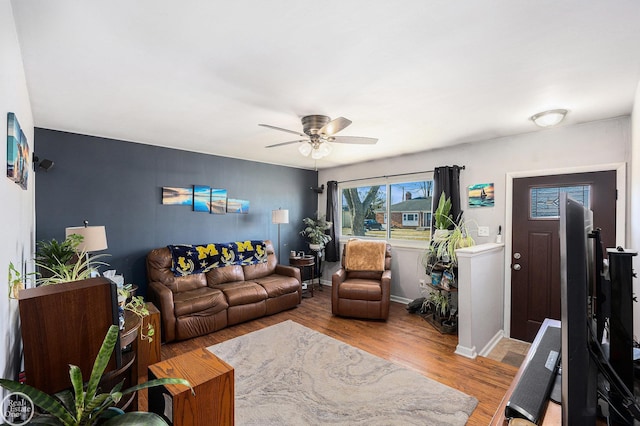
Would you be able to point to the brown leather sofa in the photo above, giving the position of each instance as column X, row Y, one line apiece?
column 198, row 304
column 362, row 294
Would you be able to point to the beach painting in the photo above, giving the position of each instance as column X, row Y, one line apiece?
column 218, row 201
column 481, row 195
column 177, row 196
column 237, row 206
column 17, row 152
column 201, row 198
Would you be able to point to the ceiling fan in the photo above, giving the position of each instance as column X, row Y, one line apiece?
column 318, row 131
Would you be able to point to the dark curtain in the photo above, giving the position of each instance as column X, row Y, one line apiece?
column 447, row 179
column 332, row 249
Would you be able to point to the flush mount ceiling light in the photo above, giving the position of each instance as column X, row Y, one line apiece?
column 549, row 118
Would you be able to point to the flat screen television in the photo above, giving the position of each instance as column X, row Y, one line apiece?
column 586, row 374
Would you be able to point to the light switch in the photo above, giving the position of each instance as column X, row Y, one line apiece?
column 483, row 231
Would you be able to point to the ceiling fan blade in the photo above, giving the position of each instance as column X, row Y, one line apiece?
column 334, row 126
column 353, row 139
column 283, row 130
column 286, row 143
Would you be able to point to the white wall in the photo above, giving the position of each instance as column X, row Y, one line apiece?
column 634, row 205
column 17, row 214
column 588, row 144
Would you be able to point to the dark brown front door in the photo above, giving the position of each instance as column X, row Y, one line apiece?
column 535, row 256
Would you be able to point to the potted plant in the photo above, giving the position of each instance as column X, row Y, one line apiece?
column 83, row 405
column 61, row 262
column 136, row 305
column 449, row 236
column 315, row 232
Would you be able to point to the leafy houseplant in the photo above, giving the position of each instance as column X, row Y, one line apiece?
column 84, row 405
column 61, row 262
column 314, row 231
column 441, row 253
column 136, row 305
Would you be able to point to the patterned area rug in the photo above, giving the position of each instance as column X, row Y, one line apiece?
column 288, row 374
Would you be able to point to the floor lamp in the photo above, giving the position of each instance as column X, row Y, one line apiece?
column 279, row 217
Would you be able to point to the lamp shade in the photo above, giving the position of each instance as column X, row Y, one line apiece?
column 280, row 216
column 94, row 237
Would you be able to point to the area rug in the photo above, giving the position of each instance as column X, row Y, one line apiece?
column 288, row 374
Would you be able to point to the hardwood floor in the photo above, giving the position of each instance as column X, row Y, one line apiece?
column 405, row 339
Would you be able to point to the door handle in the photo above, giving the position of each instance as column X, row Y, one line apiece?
column 516, row 267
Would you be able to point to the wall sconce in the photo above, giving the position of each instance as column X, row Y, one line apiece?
column 549, row 118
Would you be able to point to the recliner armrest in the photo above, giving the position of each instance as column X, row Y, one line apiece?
column 288, row 271
column 162, row 297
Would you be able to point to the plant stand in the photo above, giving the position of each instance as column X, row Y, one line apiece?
column 436, row 322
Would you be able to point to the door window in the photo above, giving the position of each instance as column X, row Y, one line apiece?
column 545, row 201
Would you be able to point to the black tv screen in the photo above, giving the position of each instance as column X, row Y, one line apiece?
column 579, row 372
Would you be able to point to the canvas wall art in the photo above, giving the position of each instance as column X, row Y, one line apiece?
column 177, row 196
column 481, row 195
column 201, row 198
column 237, row 206
column 18, row 154
column 218, row 201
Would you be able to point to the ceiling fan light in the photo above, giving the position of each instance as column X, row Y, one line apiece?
column 305, row 149
column 549, row 118
column 316, row 154
column 325, row 149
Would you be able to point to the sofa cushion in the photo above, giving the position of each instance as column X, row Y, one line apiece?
column 226, row 274
column 277, row 285
column 198, row 300
column 242, row 292
column 251, row 272
column 159, row 270
column 360, row 289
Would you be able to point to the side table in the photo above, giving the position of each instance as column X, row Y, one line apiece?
column 213, row 383
column 302, row 263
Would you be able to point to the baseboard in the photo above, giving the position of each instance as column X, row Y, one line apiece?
column 492, row 343
column 466, row 352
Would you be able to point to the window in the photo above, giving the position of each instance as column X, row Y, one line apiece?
column 400, row 211
column 545, row 201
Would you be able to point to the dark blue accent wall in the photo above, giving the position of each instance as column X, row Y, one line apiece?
column 119, row 184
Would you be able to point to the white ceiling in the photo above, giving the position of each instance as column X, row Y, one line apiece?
column 200, row 75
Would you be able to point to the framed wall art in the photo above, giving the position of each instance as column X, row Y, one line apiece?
column 18, row 154
column 481, row 195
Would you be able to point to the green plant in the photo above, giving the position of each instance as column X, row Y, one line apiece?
column 61, row 273
column 441, row 253
column 53, row 253
column 137, row 305
column 314, row 230
column 437, row 302
column 16, row 281
column 442, row 214
column 61, row 262
column 83, row 405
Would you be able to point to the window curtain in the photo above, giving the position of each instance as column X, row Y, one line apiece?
column 447, row 179
column 332, row 249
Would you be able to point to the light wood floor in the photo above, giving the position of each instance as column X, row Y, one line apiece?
column 405, row 339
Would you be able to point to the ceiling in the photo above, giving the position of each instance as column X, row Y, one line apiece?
column 200, row 75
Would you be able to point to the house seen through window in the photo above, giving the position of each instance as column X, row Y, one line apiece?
column 398, row 211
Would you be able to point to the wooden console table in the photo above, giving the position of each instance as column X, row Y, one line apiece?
column 212, row 380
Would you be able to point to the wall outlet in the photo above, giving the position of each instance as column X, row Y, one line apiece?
column 483, row 231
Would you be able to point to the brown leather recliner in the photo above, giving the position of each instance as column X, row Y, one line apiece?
column 362, row 293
